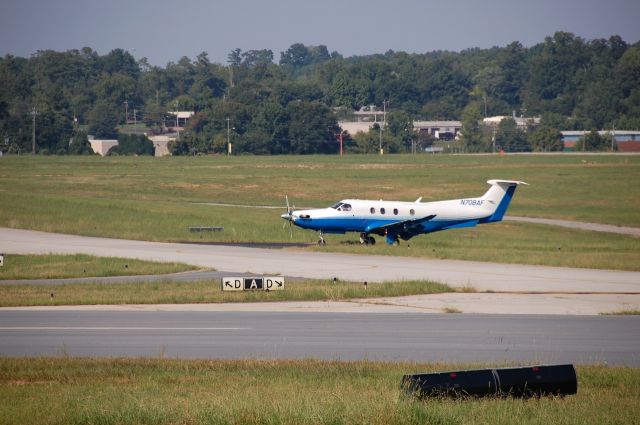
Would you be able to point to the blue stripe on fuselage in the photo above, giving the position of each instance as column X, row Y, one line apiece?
column 359, row 224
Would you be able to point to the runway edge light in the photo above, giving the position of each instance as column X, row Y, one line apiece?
column 521, row 382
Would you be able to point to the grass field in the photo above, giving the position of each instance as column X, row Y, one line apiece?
column 162, row 391
column 18, row 267
column 165, row 292
column 153, row 199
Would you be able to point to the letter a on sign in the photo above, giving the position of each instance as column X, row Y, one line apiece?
column 252, row 283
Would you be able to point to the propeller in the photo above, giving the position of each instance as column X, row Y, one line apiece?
column 288, row 216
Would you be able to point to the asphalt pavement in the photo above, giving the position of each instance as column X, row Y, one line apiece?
column 480, row 276
column 451, row 338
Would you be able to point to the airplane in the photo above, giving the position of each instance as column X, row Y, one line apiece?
column 395, row 220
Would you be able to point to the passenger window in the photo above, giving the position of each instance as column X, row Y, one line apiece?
column 395, row 211
column 412, row 212
column 382, row 211
column 373, row 210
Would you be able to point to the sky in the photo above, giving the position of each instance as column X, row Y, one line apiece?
column 164, row 31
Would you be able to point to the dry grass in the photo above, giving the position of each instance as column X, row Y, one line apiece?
column 18, row 267
column 171, row 292
column 162, row 391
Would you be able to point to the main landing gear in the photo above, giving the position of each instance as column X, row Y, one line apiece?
column 366, row 239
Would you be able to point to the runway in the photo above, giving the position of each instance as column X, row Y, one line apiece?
column 352, row 267
column 520, row 339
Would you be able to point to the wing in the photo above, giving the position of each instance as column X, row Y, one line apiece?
column 405, row 229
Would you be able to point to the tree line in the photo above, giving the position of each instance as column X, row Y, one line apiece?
column 293, row 106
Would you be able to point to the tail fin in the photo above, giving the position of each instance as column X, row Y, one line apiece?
column 499, row 194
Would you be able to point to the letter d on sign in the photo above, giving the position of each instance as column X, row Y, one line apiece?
column 274, row 283
column 232, row 283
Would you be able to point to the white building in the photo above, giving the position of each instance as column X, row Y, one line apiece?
column 180, row 120
column 354, row 127
column 521, row 122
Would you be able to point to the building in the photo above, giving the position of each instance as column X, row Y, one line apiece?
column 360, row 121
column 439, row 130
column 522, row 122
column 355, row 127
column 179, row 120
column 627, row 141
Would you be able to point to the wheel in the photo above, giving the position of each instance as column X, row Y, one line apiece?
column 364, row 239
column 372, row 240
column 322, row 241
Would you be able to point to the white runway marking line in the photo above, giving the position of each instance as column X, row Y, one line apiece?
column 110, row 328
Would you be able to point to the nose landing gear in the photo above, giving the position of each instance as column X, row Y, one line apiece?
column 366, row 239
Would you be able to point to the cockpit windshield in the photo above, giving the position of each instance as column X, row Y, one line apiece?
column 341, row 206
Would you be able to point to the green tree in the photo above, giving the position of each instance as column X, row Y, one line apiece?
column 400, row 127
column 312, row 128
column 234, row 58
column 510, row 138
column 103, row 120
column 593, row 141
column 545, row 139
column 553, row 83
column 132, row 144
column 253, row 58
column 115, row 89
column 80, row 145
column 366, row 142
column 471, row 131
column 296, row 56
column 119, row 61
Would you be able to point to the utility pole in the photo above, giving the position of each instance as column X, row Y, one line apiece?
column 493, row 139
column 384, row 121
column 177, row 107
column 126, row 112
column 34, row 112
column 228, row 138
column 613, row 136
column 339, row 135
column 484, row 98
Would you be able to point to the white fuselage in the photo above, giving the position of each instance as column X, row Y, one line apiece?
column 396, row 219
